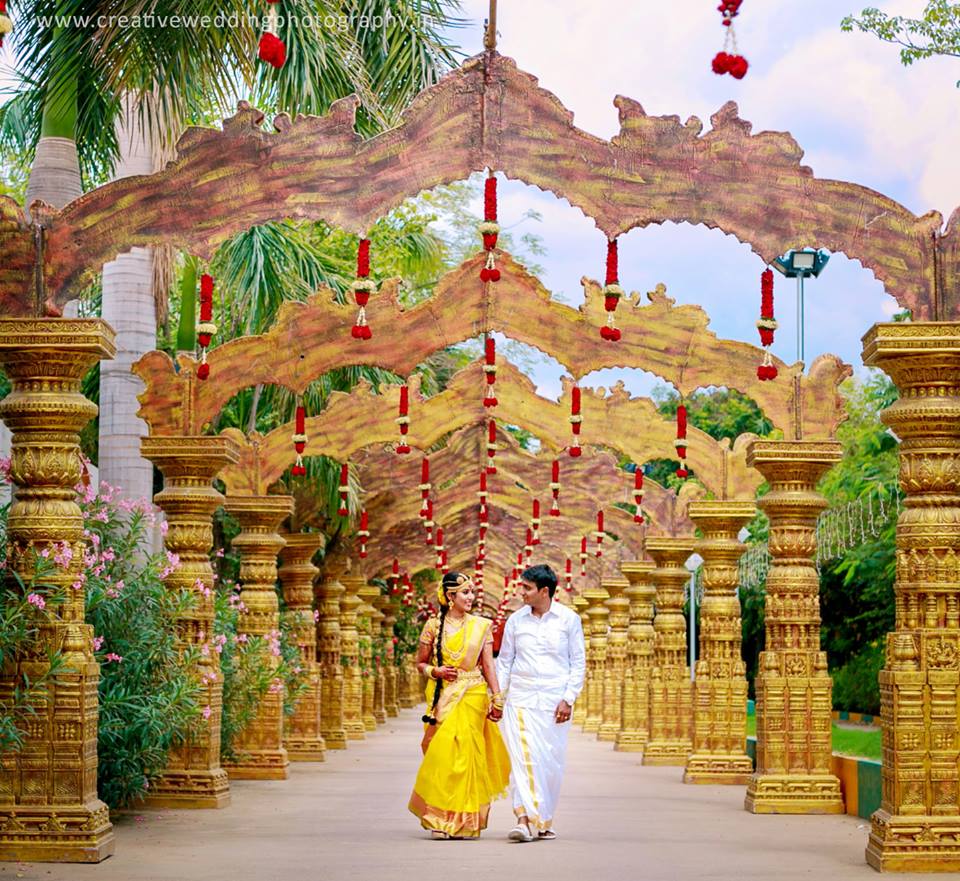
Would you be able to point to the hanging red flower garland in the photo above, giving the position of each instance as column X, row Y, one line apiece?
column 489, row 229
column 575, row 421
column 599, row 534
column 206, row 328
column 363, row 533
column 528, row 545
column 612, row 292
column 638, row 494
column 490, row 369
column 730, row 62
column 424, row 485
column 555, row 488
column 535, row 521
column 766, row 325
column 491, row 446
column 271, row 48
column 395, row 577
column 482, row 494
column 568, row 576
column 344, row 489
column 300, row 440
column 583, row 557
column 362, row 287
column 428, row 520
column 681, row 442
column 403, row 420
column 440, row 548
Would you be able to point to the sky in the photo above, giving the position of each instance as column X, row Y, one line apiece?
column 856, row 111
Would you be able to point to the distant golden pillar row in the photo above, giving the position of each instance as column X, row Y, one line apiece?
column 917, row 828
column 599, row 616
column 378, row 671
column 49, row 810
column 582, row 703
column 302, row 735
column 391, row 698
column 670, row 687
column 405, row 696
column 635, row 726
column 615, row 669
column 365, row 627
column 328, row 592
column 720, row 688
column 193, row 777
column 259, row 753
column 793, row 687
column 350, row 604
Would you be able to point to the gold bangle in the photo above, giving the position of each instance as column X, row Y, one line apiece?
column 428, row 671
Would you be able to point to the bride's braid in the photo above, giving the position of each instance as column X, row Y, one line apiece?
column 451, row 581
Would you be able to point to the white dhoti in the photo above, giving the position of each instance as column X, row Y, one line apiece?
column 538, row 753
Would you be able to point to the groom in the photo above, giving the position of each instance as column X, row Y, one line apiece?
column 541, row 668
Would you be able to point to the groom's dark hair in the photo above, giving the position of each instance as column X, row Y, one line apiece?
column 542, row 576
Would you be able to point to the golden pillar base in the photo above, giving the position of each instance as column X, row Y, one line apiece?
column 350, row 603
column 917, row 827
column 193, row 777
column 598, row 616
column 635, row 724
column 719, row 752
column 328, row 592
column 259, row 750
column 671, row 713
column 301, row 730
column 793, row 687
column 627, row 742
column 49, row 810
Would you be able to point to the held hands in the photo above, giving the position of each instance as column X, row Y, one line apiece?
column 448, row 674
column 562, row 712
column 495, row 713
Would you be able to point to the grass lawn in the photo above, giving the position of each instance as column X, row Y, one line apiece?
column 846, row 741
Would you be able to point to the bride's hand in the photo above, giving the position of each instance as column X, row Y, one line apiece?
column 448, row 674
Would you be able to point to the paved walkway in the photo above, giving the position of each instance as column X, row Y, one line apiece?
column 346, row 819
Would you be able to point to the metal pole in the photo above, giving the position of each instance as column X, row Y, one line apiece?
column 693, row 625
column 803, row 323
column 799, row 316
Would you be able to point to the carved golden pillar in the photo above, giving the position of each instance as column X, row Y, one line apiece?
column 615, row 668
column 350, row 604
column 49, row 810
column 377, row 672
column 391, row 670
column 302, row 736
column 720, row 688
column 259, row 747
column 635, row 728
column 793, row 687
column 670, row 692
column 583, row 700
column 599, row 616
column 193, row 777
column 366, row 627
column 917, row 828
column 329, row 654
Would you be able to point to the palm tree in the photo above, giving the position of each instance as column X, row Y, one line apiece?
column 90, row 96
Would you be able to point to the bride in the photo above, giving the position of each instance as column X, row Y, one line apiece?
column 465, row 764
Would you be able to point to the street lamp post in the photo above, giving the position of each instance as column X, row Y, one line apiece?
column 799, row 265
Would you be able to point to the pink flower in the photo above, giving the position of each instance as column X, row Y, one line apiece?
column 36, row 600
column 219, row 552
column 45, row 553
column 164, row 528
column 316, row 615
column 112, row 656
column 5, row 468
column 97, row 643
column 207, row 712
column 108, row 555
column 63, row 556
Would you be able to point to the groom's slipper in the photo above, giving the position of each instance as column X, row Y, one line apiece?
column 520, row 833
column 547, row 835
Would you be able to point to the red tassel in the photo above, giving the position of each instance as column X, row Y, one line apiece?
column 272, row 50
column 403, row 420
column 203, row 371
column 363, row 259
column 491, row 446
column 575, row 421
column 489, row 229
column 613, row 275
column 638, row 494
column 724, row 62
column 490, row 369
column 344, row 488
column 362, row 288
column 680, row 442
column 766, row 326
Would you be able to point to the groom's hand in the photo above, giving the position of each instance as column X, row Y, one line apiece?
column 563, row 712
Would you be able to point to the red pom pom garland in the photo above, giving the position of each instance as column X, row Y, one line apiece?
column 441, row 550
column 490, row 371
column 403, row 420
column 766, row 325
column 535, row 521
column 568, row 576
column 424, row 485
column 489, row 229
column 206, row 328
column 528, row 544
column 299, row 439
column 599, row 534
column 363, row 533
column 575, row 421
column 271, row 48
column 612, row 292
column 482, row 494
column 344, row 489
column 363, row 286
column 491, row 446
column 428, row 521
column 555, row 488
column 583, row 557
column 638, row 494
column 681, row 442
column 730, row 60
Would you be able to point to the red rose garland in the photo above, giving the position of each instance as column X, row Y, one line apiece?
column 299, row 441
column 583, row 557
column 612, row 292
column 490, row 369
column 491, row 446
column 424, row 485
column 363, row 534
column 638, row 494
column 528, row 545
column 206, row 328
column 730, row 62
column 403, row 420
column 535, row 521
column 344, row 489
column 555, row 488
column 271, row 48
column 362, row 287
column 766, row 326
column 568, row 576
column 489, row 229
column 482, row 493
column 681, row 442
column 440, row 548
column 598, row 535
column 428, row 520
column 575, row 421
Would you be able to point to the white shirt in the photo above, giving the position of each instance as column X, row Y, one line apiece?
column 542, row 660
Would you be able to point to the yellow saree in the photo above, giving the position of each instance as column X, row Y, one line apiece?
column 466, row 765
